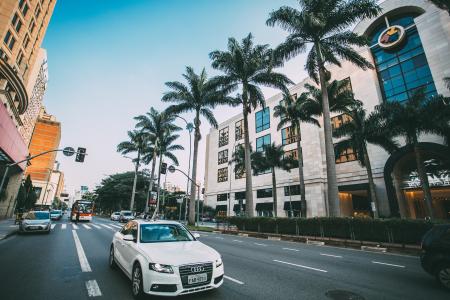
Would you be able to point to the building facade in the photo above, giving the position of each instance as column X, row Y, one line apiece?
column 410, row 49
column 23, row 24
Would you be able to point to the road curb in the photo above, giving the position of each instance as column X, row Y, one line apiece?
column 4, row 237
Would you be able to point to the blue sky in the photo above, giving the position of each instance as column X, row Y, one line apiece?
column 109, row 59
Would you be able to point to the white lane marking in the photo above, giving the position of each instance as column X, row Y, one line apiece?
column 85, row 267
column 63, row 226
column 93, row 289
column 13, row 225
column 106, row 226
column 331, row 255
column 117, row 226
column 300, row 266
column 290, row 249
column 386, row 264
column 218, row 237
column 74, row 226
column 96, row 226
column 52, row 226
column 237, row 241
column 232, row 279
column 258, row 244
column 203, row 235
column 86, row 226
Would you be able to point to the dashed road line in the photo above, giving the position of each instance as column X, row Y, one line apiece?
column 75, row 226
column 300, row 266
column 86, row 226
column 331, row 255
column 258, row 244
column 386, row 264
column 220, row 238
column 93, row 288
column 52, row 226
column 63, row 226
column 85, row 267
column 238, row 241
column 290, row 249
column 232, row 279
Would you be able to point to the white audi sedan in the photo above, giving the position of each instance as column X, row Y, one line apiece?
column 164, row 258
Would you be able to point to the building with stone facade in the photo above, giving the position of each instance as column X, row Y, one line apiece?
column 410, row 49
column 23, row 24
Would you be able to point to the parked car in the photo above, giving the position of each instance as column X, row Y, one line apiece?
column 435, row 257
column 115, row 216
column 55, row 214
column 125, row 216
column 164, row 258
column 35, row 221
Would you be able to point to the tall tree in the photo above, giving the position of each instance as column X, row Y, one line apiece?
column 356, row 134
column 137, row 143
column 292, row 112
column 412, row 118
column 154, row 124
column 200, row 95
column 271, row 158
column 324, row 24
column 246, row 68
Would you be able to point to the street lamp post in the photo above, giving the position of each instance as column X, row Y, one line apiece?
column 133, row 193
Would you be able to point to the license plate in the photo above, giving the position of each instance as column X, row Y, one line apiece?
column 34, row 227
column 197, row 278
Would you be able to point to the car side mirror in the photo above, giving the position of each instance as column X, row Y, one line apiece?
column 129, row 238
column 196, row 235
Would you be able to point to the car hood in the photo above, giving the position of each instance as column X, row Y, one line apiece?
column 36, row 222
column 179, row 253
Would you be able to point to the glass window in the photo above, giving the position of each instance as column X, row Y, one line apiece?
column 37, row 215
column 15, row 19
column 239, row 130
column 222, row 175
column 7, row 37
column 222, row 197
column 21, row 3
column 223, row 156
column 26, row 41
column 239, row 195
column 18, row 26
column 346, row 156
column 159, row 233
column 264, row 193
column 262, row 141
column 262, row 119
column 20, row 58
column 289, row 135
column 32, row 26
column 291, row 153
column 11, row 43
column 25, row 10
column 337, row 121
column 292, row 190
column 37, row 12
column 223, row 137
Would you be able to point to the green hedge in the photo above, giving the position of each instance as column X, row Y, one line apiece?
column 379, row 230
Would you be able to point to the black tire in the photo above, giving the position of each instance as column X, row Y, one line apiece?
column 443, row 275
column 137, row 288
column 112, row 261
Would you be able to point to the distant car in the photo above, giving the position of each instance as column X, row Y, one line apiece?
column 115, row 216
column 163, row 258
column 55, row 214
column 125, row 216
column 435, row 257
column 35, row 221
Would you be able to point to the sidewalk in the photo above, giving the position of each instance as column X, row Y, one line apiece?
column 7, row 228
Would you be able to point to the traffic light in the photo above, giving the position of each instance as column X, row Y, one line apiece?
column 163, row 168
column 81, row 153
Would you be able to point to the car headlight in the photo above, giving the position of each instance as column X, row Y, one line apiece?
column 219, row 262
column 161, row 268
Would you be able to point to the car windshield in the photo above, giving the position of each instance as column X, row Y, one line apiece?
column 159, row 233
column 117, row 213
column 37, row 215
column 127, row 213
column 55, row 212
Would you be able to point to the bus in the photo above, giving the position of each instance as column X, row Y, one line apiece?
column 86, row 209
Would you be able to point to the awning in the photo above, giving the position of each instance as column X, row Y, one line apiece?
column 237, row 206
column 296, row 205
column 221, row 208
column 264, row 206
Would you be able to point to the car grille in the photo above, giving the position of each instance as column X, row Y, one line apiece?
column 186, row 270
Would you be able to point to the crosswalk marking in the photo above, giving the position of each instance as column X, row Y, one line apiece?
column 106, row 226
column 86, row 226
column 63, row 226
column 117, row 226
column 53, row 226
column 74, row 226
column 96, row 226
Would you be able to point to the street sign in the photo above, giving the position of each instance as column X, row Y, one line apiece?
column 68, row 151
column 171, row 169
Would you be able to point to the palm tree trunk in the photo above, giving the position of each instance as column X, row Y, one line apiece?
column 424, row 180
column 248, row 167
column 373, row 194
column 150, row 187
column 300, row 174
column 133, row 193
column 274, row 193
column 191, row 219
column 158, row 187
column 333, row 192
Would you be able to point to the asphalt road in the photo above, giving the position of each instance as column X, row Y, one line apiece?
column 44, row 266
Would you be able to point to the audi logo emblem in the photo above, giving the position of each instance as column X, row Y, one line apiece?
column 197, row 269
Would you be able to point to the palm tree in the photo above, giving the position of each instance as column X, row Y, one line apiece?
column 293, row 112
column 154, row 124
column 165, row 149
column 246, row 68
column 200, row 96
column 359, row 132
column 137, row 143
column 324, row 25
column 271, row 158
column 416, row 116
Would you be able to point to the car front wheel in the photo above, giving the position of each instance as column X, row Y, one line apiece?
column 136, row 282
column 112, row 262
column 443, row 275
